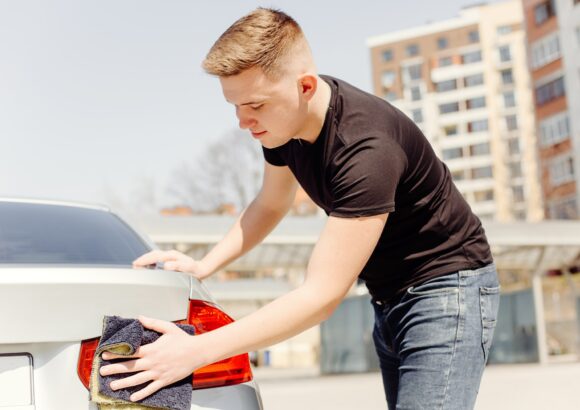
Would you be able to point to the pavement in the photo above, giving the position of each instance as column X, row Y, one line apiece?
column 554, row 386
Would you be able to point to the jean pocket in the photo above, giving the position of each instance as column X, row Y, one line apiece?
column 489, row 304
column 438, row 286
column 418, row 291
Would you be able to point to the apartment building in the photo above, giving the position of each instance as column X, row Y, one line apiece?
column 553, row 36
column 465, row 82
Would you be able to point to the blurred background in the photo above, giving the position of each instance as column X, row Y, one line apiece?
column 105, row 102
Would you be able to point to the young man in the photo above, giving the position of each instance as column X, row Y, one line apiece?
column 395, row 220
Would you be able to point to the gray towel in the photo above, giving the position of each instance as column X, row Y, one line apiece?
column 124, row 336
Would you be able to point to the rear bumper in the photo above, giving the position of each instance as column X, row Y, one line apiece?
column 56, row 384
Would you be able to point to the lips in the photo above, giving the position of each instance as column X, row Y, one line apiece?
column 258, row 134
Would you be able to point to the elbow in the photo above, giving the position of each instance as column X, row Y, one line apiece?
column 328, row 308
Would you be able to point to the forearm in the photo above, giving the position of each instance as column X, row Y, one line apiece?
column 287, row 316
column 253, row 225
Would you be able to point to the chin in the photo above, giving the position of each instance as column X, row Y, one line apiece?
column 274, row 143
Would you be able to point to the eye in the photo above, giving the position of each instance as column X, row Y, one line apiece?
column 256, row 107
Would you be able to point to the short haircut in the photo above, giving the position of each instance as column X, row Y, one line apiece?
column 261, row 38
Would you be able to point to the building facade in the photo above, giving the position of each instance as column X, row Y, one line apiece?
column 553, row 44
column 465, row 82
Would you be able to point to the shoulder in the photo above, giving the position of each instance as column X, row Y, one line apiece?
column 361, row 115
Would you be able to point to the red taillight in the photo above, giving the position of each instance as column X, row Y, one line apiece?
column 88, row 348
column 204, row 317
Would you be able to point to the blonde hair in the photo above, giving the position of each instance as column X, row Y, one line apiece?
column 261, row 38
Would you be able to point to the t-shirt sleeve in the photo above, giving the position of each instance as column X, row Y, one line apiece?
column 365, row 177
column 273, row 157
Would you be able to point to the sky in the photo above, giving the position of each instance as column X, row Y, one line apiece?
column 101, row 101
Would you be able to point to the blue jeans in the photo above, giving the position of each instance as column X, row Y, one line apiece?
column 433, row 341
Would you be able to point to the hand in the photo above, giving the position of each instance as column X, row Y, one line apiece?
column 169, row 359
column 175, row 261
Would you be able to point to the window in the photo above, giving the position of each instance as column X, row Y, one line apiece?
column 505, row 54
column 388, row 78
column 387, row 55
column 445, row 61
column 412, row 50
column 442, row 43
column 471, row 57
column 554, row 129
column 415, row 93
column 449, row 107
column 550, row 91
column 515, row 169
column 501, row 30
column 417, row 115
column 520, row 215
column 513, row 146
column 475, row 103
column 458, row 175
column 507, row 76
column 452, row 153
column 63, row 235
column 483, row 196
column 473, row 36
column 413, row 72
column 477, row 126
column 473, row 80
column 561, row 170
column 518, row 193
column 482, row 172
column 545, row 50
column 544, row 11
column 479, row 149
column 450, row 130
column 447, row 85
column 565, row 208
column 391, row 96
column 511, row 122
column 509, row 99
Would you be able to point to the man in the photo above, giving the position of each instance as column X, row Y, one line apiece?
column 395, row 220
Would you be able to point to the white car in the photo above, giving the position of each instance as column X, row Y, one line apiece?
column 63, row 267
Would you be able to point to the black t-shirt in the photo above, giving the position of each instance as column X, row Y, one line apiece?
column 369, row 159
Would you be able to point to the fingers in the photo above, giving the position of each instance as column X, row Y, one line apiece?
column 171, row 265
column 147, row 391
column 155, row 256
column 133, row 380
column 160, row 326
column 130, row 366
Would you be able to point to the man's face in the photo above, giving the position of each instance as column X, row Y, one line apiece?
column 274, row 111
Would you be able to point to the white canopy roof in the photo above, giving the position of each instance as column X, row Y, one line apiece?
column 515, row 245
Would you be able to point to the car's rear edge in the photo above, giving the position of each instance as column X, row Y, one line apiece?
column 37, row 326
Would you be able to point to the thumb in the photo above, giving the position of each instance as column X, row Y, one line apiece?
column 160, row 326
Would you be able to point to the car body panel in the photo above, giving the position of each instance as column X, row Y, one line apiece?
column 48, row 310
column 51, row 359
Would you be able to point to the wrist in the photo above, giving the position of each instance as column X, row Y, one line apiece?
column 201, row 357
column 203, row 268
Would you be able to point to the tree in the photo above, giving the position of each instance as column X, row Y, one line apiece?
column 229, row 171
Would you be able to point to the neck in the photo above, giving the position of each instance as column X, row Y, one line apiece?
column 317, row 114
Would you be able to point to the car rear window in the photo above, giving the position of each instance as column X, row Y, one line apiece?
column 57, row 234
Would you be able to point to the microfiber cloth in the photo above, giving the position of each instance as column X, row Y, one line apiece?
column 123, row 336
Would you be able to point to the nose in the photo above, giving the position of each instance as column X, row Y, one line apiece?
column 245, row 121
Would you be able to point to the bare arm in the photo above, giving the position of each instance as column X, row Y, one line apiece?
column 339, row 256
column 342, row 251
column 255, row 222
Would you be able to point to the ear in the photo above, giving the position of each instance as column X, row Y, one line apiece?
column 307, row 84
